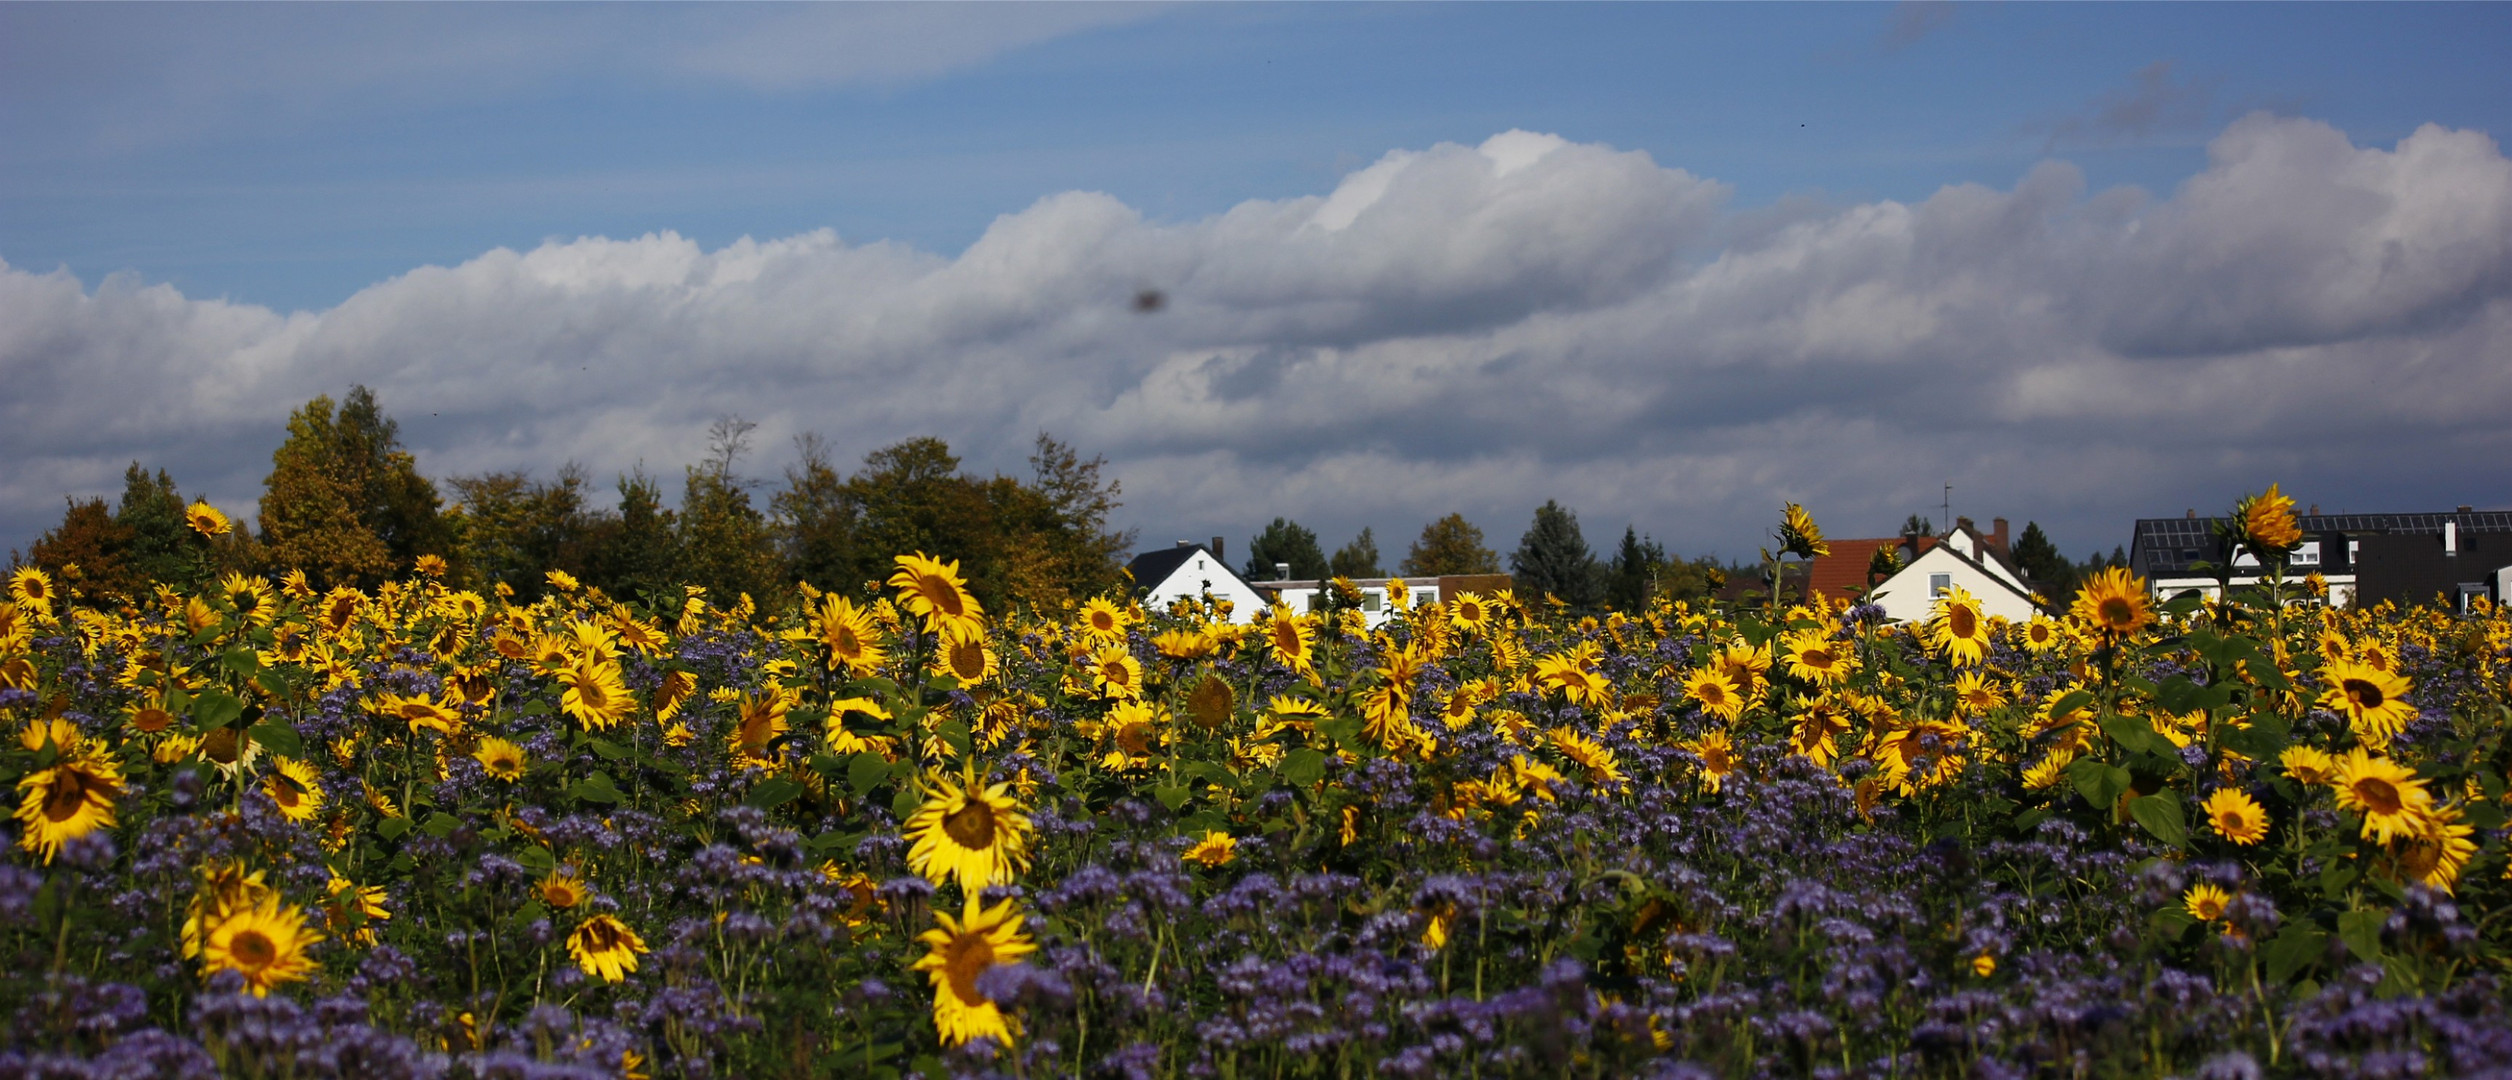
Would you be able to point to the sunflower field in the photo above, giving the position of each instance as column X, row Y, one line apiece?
column 270, row 831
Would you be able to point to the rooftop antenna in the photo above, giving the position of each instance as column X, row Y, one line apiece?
column 1948, row 508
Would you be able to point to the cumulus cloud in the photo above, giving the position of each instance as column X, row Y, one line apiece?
column 1454, row 328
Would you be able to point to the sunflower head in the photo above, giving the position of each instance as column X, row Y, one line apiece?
column 1799, row 536
column 972, row 833
column 605, row 946
column 263, row 941
column 933, row 589
column 2114, row 603
column 2265, row 523
column 958, row 951
column 205, row 519
column 2236, row 816
column 501, row 758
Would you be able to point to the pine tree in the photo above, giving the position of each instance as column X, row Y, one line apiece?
column 163, row 546
column 1450, row 545
column 1631, row 579
column 1286, row 541
column 815, row 525
column 1552, row 558
column 1358, row 559
column 2048, row 571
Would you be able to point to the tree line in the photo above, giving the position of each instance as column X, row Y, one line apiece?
column 345, row 503
column 1552, row 559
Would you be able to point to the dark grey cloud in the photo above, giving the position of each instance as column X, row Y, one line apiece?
column 1914, row 20
column 1471, row 329
column 2156, row 101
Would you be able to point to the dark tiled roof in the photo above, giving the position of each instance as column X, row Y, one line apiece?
column 1153, row 567
column 2173, row 545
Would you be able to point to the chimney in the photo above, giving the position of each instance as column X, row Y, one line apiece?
column 1997, row 532
column 1282, row 571
column 2193, row 513
column 1216, row 550
column 2465, row 508
column 2315, row 510
column 1186, row 543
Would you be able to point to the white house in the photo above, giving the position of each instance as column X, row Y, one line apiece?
column 1303, row 597
column 1961, row 558
column 1193, row 571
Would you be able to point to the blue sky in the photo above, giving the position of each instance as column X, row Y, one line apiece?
column 294, row 157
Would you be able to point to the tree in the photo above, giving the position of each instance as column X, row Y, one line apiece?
column 815, row 524
column 1691, row 579
column 514, row 530
column 163, row 546
column 343, row 501
column 637, row 549
column 724, row 541
column 1915, row 525
column 89, row 552
column 1083, row 556
column 1358, row 559
column 2048, row 571
column 1632, row 578
column 1553, row 558
column 911, row 497
column 1286, row 541
column 1450, row 545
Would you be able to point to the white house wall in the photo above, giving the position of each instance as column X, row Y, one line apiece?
column 1199, row 575
column 1907, row 596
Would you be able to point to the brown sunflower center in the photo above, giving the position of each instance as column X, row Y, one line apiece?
column 1103, row 622
column 1134, row 738
column 968, row 660
column 1716, row 759
column 600, row 938
column 846, row 643
column 971, row 826
column 1962, row 621
column 283, row 791
column 939, row 592
column 67, row 796
column 252, row 950
column 1818, row 659
column 2365, row 694
column 2378, row 795
column 1114, row 672
column 966, row 957
column 1286, row 640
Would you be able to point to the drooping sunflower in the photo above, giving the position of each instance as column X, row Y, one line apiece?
column 295, row 788
column 1568, row 672
column 2267, row 522
column 2372, row 700
column 2308, row 765
column 1975, row 695
column 501, row 758
column 848, row 633
column 596, row 695
column 2205, row 902
column 1116, row 675
column 1184, row 644
column 1798, row 534
column 205, row 519
column 1592, row 757
column 605, row 946
column 2114, row 603
column 958, row 951
column 2236, row 816
column 2391, row 798
column 1216, row 848
column 1715, row 693
column 265, row 942
column 933, row 590
column 974, row 833
column 1956, row 629
column 1820, row 724
column 69, row 800
column 1816, row 658
column 759, row 720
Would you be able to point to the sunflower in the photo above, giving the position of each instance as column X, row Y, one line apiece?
column 2436, row 853
column 2114, row 603
column 1568, row 673
column 1799, row 536
column 1216, row 848
column 1135, row 730
column 965, row 656
column 1290, row 637
column 1102, row 620
column 205, row 519
column 1469, row 612
column 1956, row 628
column 339, row 608
column 2236, row 816
column 1819, row 725
column 1747, row 667
column 2041, row 635
column 596, row 694
column 2205, row 903
column 2047, row 772
column 975, row 834
column 1116, row 675
column 1974, row 695
column 2370, row 698
column 2391, row 798
column 295, row 788
column 33, row 590
column 605, row 946
column 262, row 941
column 1816, row 658
column 501, row 758
column 350, row 904
column 848, row 633
column 2267, row 522
column 2308, row 765
column 1599, row 762
column 1718, row 758
column 961, row 950
column 1184, row 644
column 934, row 590
column 69, row 800
column 1716, row 694
column 760, row 720
column 562, row 889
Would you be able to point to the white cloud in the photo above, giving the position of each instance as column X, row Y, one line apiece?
column 1453, row 329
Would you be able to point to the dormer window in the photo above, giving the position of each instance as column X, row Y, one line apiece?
column 1939, row 584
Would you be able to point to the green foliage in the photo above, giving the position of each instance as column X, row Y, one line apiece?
column 1552, row 558
column 1358, row 559
column 2049, row 572
column 1450, row 545
column 344, row 502
column 1286, row 541
column 1631, row 578
column 636, row 550
column 724, row 540
column 89, row 552
column 514, row 529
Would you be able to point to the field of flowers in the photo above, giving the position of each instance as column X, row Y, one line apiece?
column 274, row 831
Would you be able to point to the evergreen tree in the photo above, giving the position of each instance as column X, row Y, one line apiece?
column 1450, row 545
column 1553, row 558
column 1286, row 541
column 636, row 551
column 724, row 540
column 1358, row 559
column 1690, row 579
column 1915, row 525
column 344, row 502
column 163, row 546
column 2043, row 566
column 1632, row 578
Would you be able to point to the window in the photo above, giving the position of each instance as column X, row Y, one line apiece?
column 1373, row 599
column 2308, row 554
column 1425, row 596
column 1939, row 583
